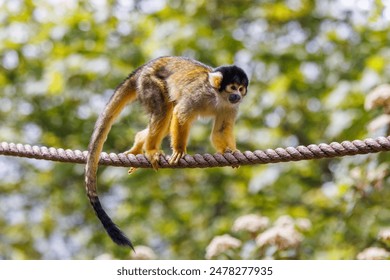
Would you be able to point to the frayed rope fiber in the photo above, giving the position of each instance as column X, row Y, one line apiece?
column 334, row 149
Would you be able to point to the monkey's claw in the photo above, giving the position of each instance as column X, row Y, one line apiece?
column 131, row 170
column 154, row 158
column 175, row 157
column 231, row 151
column 134, row 152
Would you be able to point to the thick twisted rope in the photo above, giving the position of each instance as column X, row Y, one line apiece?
column 335, row 149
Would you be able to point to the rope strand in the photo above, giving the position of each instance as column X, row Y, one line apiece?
column 334, row 149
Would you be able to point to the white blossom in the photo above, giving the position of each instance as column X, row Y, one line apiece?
column 379, row 122
column 384, row 234
column 373, row 253
column 252, row 223
column 220, row 244
column 303, row 224
column 285, row 220
column 283, row 237
column 379, row 96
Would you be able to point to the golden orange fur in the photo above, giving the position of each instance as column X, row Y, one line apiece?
column 174, row 91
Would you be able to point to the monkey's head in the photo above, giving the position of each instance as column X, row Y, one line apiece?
column 230, row 81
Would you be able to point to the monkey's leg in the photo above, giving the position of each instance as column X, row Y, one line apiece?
column 180, row 129
column 157, row 130
column 153, row 95
column 137, row 148
column 139, row 142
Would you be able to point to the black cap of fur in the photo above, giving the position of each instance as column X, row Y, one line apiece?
column 232, row 74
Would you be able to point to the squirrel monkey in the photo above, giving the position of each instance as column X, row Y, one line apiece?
column 174, row 91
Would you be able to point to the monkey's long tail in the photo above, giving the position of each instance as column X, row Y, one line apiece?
column 124, row 94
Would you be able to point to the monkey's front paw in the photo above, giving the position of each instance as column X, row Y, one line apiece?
column 176, row 156
column 230, row 151
column 154, row 157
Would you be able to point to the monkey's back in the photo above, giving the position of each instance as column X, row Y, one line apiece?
column 167, row 79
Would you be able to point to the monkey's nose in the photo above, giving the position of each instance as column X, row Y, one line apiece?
column 234, row 98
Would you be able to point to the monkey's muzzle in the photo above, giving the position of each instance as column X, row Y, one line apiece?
column 234, row 98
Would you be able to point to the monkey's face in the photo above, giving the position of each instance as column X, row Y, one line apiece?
column 235, row 92
column 232, row 83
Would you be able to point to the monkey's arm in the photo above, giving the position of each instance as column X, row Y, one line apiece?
column 222, row 135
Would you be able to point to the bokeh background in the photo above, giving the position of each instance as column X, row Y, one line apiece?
column 311, row 64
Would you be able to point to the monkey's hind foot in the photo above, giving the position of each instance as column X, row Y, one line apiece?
column 154, row 158
column 176, row 156
column 134, row 151
column 131, row 170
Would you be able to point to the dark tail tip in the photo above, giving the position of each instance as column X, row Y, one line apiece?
column 112, row 229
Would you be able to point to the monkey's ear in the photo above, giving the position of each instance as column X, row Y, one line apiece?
column 215, row 79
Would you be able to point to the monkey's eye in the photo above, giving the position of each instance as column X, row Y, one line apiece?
column 233, row 87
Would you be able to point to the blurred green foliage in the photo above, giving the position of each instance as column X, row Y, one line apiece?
column 311, row 64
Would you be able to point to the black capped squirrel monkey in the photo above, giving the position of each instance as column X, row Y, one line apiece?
column 174, row 91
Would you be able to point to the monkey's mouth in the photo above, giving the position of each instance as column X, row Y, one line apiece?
column 234, row 98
